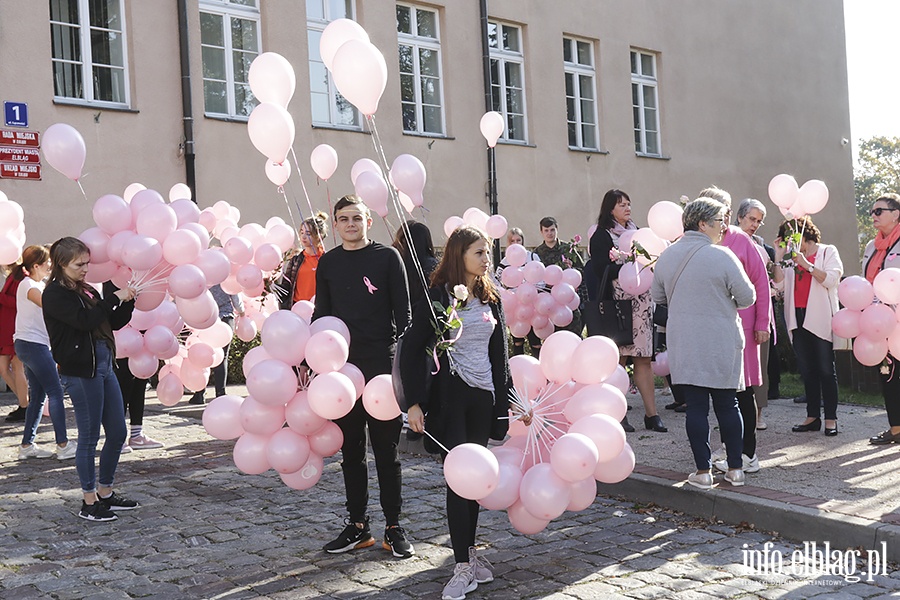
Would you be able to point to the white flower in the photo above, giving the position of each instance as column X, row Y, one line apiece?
column 460, row 292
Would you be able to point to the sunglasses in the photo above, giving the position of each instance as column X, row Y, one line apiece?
column 877, row 211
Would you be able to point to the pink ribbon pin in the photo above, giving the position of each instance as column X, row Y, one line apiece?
column 372, row 288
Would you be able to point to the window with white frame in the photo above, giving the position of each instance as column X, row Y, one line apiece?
column 229, row 41
column 419, row 44
column 508, row 78
column 329, row 107
column 581, row 95
column 88, row 51
column 645, row 103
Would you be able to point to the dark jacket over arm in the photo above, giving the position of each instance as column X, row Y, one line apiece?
column 601, row 244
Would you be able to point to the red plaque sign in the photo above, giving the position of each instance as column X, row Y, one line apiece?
column 20, row 171
column 12, row 137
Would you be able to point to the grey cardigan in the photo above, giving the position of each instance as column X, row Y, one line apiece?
column 704, row 337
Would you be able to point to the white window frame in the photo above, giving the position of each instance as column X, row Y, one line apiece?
column 578, row 70
column 87, row 62
column 417, row 43
column 318, row 25
column 228, row 10
column 504, row 57
column 644, row 82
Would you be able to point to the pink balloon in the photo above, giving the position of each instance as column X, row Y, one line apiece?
column 408, row 175
column 207, row 219
column 327, row 440
column 894, row 342
column 635, row 279
column 200, row 312
column 301, row 417
column 141, row 253
column 267, row 257
column 158, row 339
column 356, row 376
column 507, row 492
column 249, row 277
column 121, row 277
column 271, row 78
column 181, row 247
column 193, row 377
column 330, row 323
column 660, row 364
column 527, row 375
column 373, row 191
column 526, row 294
column 128, row 341
column 271, row 131
column 250, row 454
column 151, row 296
column 845, row 323
column 516, row 255
column 272, row 382
column 202, row 355
column 471, row 471
column 543, row 493
column 452, row 224
column 886, row 285
column 492, row 125
column 287, row 451
column 512, row 277
column 562, row 293
column 263, row 419
column 606, row 433
column 619, row 379
column 324, row 161
column 618, row 469
column 143, row 320
column 169, row 390
column 306, row 477
column 245, row 329
column 378, row 398
column 519, row 328
column 303, row 309
column 574, row 457
column 157, row 221
column 214, row 264
column 111, row 213
column 509, row 455
column 572, row 277
column 239, row 250
column 222, row 417
column 584, row 493
column 186, row 211
column 596, row 398
column 285, row 337
column 783, row 190
column 64, row 149
column 556, row 355
column 331, row 395
column 141, row 200
column 360, row 74
column 253, row 357
column 335, row 35
column 877, row 321
column 533, row 272
column 187, row 281
column 362, row 165
column 253, row 233
column 143, row 364
column 664, row 219
column 97, row 240
column 282, row 236
column 812, row 197
column 869, row 351
column 116, row 245
column 170, row 352
column 561, row 316
column 594, row 360
column 496, row 226
column 476, row 217
column 97, row 272
column 544, row 304
column 553, row 275
column 524, row 521
column 326, row 351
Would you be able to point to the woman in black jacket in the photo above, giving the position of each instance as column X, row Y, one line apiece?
column 80, row 324
column 298, row 276
column 469, row 398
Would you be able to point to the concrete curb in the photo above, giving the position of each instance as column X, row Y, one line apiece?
column 789, row 520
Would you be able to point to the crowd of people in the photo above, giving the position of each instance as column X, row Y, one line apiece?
column 60, row 336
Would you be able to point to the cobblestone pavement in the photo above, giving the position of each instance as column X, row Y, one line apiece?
column 207, row 531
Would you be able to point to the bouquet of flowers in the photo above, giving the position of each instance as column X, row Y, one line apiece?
column 448, row 320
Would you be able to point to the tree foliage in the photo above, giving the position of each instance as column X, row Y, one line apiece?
column 877, row 172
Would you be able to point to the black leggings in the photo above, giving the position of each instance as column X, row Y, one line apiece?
column 533, row 339
column 747, row 406
column 132, row 392
column 468, row 419
column 890, row 388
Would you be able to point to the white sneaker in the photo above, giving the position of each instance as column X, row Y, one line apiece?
column 481, row 567
column 126, row 448
column 33, row 451
column 704, row 480
column 720, row 454
column 143, row 442
column 750, row 465
column 462, row 582
column 735, row 477
column 67, row 452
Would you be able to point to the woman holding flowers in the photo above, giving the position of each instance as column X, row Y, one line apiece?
column 460, row 325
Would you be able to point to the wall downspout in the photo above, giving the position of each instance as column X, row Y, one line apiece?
column 493, row 205
column 186, row 105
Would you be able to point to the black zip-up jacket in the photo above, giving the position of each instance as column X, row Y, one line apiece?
column 71, row 322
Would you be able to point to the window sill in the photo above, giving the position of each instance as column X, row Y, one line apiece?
column 94, row 105
column 588, row 150
column 655, row 156
column 436, row 136
column 226, row 118
column 515, row 143
column 348, row 129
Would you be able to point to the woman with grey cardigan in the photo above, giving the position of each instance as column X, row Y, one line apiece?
column 703, row 333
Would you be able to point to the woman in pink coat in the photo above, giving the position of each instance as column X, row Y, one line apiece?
column 755, row 321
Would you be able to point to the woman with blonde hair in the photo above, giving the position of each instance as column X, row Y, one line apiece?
column 298, row 279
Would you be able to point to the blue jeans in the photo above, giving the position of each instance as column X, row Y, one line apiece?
column 98, row 400
column 731, row 426
column 815, row 361
column 43, row 383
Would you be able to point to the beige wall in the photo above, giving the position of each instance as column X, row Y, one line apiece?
column 747, row 90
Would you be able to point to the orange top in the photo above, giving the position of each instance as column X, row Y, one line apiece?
column 305, row 287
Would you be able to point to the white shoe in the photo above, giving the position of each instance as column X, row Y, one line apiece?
column 735, row 477
column 481, row 567
column 749, row 465
column 761, row 425
column 67, row 452
column 126, row 448
column 462, row 582
column 704, row 480
column 719, row 454
column 143, row 442
column 33, row 451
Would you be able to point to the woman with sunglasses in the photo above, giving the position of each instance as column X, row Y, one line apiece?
column 882, row 253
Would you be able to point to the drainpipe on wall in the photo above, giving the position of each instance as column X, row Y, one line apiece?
column 187, row 110
column 493, row 206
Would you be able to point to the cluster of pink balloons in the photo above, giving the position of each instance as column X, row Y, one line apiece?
column 495, row 226
column 872, row 324
column 12, row 230
column 407, row 177
column 575, row 394
column 536, row 296
column 795, row 202
column 357, row 67
column 278, row 397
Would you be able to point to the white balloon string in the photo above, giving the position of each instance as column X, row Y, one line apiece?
column 302, row 183
column 330, row 215
column 288, row 205
column 434, row 439
column 81, row 188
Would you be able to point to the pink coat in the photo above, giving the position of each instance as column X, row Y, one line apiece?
column 758, row 316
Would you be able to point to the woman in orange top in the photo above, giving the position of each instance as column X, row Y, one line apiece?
column 299, row 274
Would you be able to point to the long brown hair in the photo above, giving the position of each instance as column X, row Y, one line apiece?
column 31, row 257
column 451, row 271
column 62, row 253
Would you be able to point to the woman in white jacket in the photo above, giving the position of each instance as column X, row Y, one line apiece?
column 810, row 280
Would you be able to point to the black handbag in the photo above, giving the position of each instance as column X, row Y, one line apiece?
column 397, row 381
column 660, row 315
column 610, row 318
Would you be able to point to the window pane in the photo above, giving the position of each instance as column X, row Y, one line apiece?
column 105, row 13
column 241, row 65
column 109, row 84
column 586, row 86
column 403, row 19
column 244, row 2
column 573, row 139
column 313, row 36
column 431, row 119
column 570, row 109
column 321, row 112
column 67, row 80
column 495, row 71
column 588, row 137
column 649, row 119
column 213, row 63
column 339, row 9
column 244, row 101
column 636, row 114
column 106, row 48
column 315, row 10
column 516, row 125
column 65, row 11
column 409, row 117
column 318, row 78
column 570, row 84
column 428, row 62
column 492, row 35
column 649, row 96
column 511, row 38
column 406, row 59
column 431, row 91
column 243, row 34
column 347, row 114
column 652, row 143
column 567, row 50
column 635, row 94
column 426, row 21
column 647, row 69
column 407, row 88
column 211, row 30
column 587, row 111
column 65, row 42
column 634, row 64
column 215, row 97
column 513, row 75
column 515, row 101
column 584, row 54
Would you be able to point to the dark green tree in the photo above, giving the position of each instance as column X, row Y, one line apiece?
column 877, row 172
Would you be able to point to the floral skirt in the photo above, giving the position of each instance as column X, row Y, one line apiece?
column 642, row 322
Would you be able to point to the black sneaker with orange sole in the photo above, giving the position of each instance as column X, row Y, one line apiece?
column 352, row 537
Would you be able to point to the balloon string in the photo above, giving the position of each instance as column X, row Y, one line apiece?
column 302, row 183
column 81, row 188
column 434, row 439
column 288, row 205
column 330, row 215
